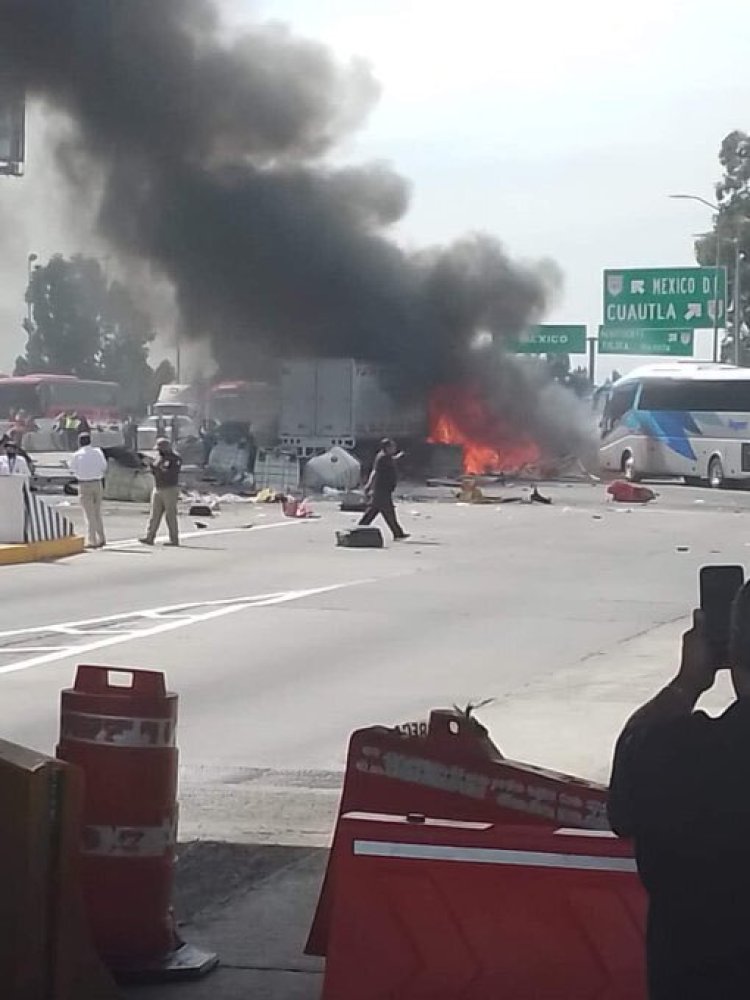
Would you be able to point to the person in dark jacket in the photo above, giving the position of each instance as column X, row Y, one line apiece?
column 380, row 487
column 166, row 470
column 680, row 788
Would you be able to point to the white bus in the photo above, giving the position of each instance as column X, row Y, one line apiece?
column 689, row 419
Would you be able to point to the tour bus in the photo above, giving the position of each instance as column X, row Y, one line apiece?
column 689, row 419
column 43, row 397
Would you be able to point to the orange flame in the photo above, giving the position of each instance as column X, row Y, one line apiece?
column 460, row 415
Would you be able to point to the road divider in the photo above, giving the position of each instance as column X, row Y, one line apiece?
column 30, row 529
column 123, row 738
column 451, row 769
column 439, row 908
column 45, row 950
column 28, row 552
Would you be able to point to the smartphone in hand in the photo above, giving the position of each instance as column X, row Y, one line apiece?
column 719, row 586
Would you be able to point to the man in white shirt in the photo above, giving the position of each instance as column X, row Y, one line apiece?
column 11, row 463
column 89, row 466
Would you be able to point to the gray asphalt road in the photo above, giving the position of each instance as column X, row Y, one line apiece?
column 279, row 644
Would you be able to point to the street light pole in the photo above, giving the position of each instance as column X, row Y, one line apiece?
column 717, row 264
column 737, row 298
column 31, row 259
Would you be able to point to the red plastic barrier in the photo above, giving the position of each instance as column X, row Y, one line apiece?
column 625, row 492
column 123, row 739
column 458, row 911
column 451, row 767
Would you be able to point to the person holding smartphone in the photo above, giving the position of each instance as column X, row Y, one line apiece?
column 166, row 493
column 680, row 788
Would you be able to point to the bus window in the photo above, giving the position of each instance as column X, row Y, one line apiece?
column 621, row 400
column 19, row 396
column 84, row 394
column 731, row 396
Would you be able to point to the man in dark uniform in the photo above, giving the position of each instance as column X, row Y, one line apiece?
column 681, row 789
column 380, row 487
column 166, row 493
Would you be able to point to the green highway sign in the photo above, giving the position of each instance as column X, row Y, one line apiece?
column 550, row 339
column 670, row 298
column 613, row 340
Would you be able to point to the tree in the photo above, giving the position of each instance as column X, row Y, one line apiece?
column 66, row 299
column 731, row 227
column 86, row 326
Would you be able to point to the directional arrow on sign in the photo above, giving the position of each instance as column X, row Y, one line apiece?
column 693, row 310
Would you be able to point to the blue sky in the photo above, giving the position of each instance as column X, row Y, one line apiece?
column 559, row 127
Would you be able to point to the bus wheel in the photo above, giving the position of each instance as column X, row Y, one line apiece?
column 716, row 473
column 627, row 465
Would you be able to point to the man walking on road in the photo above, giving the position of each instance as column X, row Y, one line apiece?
column 89, row 466
column 681, row 788
column 380, row 487
column 166, row 470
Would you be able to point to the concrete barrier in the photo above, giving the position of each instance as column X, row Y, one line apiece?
column 30, row 530
column 45, row 951
column 133, row 485
column 12, row 509
column 442, row 909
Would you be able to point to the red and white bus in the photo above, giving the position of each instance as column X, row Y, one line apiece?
column 44, row 397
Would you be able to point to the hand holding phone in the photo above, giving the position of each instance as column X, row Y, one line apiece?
column 719, row 586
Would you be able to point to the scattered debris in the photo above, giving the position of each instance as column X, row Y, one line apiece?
column 360, row 538
column 293, row 507
column 200, row 510
column 683, row 548
column 471, row 493
column 335, row 469
column 597, row 517
column 452, row 483
column 537, row 497
column 353, row 506
column 622, row 491
column 200, row 524
column 267, row 495
column 469, row 710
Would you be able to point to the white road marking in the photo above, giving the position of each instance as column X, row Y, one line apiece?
column 159, row 613
column 132, row 543
column 33, row 649
column 217, row 609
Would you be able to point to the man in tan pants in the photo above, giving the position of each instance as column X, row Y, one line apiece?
column 89, row 466
column 166, row 470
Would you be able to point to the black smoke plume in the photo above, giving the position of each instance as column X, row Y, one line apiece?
column 213, row 159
